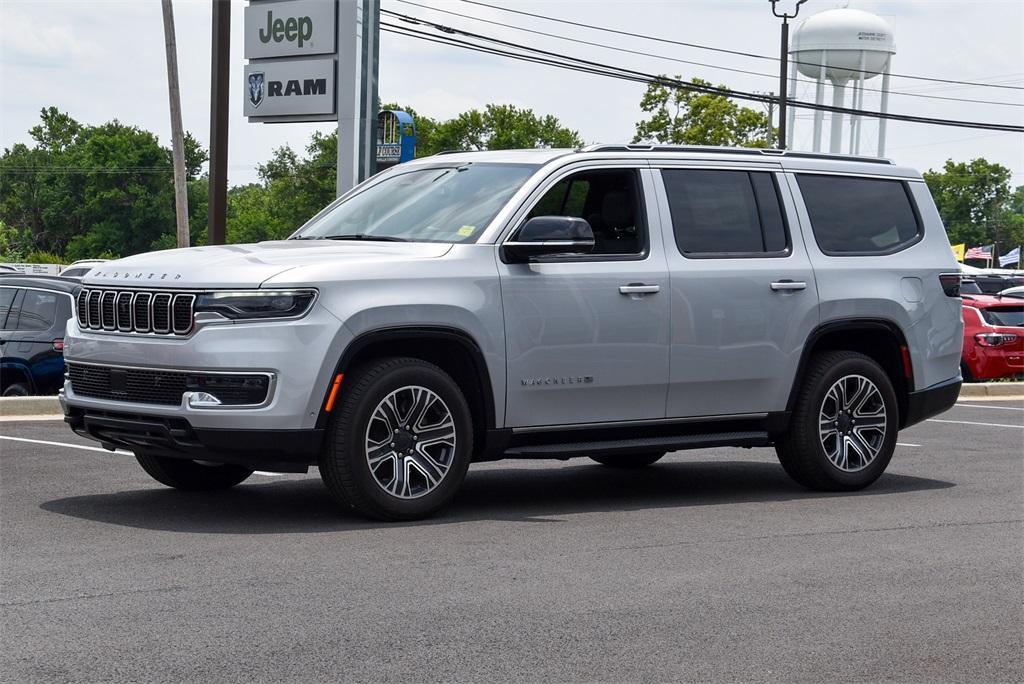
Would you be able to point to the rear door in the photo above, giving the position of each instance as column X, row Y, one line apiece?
column 743, row 295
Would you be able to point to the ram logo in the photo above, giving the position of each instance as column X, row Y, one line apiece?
column 256, row 81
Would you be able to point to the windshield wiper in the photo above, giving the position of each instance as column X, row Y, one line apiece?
column 364, row 236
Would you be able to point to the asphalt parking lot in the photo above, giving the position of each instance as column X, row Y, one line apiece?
column 710, row 565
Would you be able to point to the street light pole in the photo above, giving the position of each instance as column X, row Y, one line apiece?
column 784, row 65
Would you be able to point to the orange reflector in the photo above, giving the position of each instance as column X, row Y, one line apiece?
column 334, row 392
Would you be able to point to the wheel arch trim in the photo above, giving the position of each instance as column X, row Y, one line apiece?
column 841, row 325
column 419, row 332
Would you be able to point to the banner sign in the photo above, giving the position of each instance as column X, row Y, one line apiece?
column 290, row 28
column 290, row 87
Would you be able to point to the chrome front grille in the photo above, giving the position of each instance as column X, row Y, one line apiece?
column 136, row 311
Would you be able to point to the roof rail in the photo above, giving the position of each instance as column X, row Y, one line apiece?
column 745, row 151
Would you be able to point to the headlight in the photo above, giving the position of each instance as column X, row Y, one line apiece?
column 257, row 303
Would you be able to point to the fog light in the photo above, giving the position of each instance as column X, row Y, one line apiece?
column 202, row 400
column 230, row 390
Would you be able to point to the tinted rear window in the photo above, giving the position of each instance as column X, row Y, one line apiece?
column 859, row 215
column 1012, row 316
column 725, row 212
column 6, row 299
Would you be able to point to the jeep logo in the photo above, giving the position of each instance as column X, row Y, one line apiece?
column 294, row 30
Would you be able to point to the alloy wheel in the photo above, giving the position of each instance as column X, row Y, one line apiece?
column 852, row 423
column 410, row 442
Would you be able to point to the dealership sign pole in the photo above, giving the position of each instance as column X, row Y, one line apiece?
column 316, row 60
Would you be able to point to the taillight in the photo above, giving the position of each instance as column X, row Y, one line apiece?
column 995, row 339
column 950, row 284
column 58, row 344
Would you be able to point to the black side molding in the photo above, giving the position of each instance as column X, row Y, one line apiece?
column 931, row 401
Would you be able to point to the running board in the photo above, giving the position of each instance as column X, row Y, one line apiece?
column 641, row 445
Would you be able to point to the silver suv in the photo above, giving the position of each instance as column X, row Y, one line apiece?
column 617, row 302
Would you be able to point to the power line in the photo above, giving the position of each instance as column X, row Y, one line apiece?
column 718, row 49
column 675, row 59
column 578, row 64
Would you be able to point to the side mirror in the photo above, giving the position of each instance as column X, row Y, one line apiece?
column 543, row 235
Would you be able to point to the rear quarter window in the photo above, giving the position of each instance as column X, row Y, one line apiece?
column 859, row 216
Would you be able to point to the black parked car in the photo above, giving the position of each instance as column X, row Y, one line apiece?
column 34, row 310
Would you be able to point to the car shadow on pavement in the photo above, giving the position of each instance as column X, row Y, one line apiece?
column 492, row 493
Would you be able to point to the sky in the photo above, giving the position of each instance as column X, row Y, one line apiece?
column 104, row 59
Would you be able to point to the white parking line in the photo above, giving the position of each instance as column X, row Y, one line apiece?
column 1001, row 408
column 62, row 444
column 967, row 422
column 907, row 444
column 106, row 451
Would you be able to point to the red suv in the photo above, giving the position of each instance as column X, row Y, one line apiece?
column 993, row 337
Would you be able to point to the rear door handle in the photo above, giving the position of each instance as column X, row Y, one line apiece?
column 784, row 285
column 639, row 288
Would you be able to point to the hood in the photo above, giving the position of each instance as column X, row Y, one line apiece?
column 250, row 265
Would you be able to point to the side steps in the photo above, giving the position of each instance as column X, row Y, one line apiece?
column 751, row 438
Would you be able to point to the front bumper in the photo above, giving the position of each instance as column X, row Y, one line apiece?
column 931, row 401
column 277, row 450
column 299, row 355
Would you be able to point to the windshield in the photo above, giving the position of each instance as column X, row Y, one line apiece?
column 1012, row 316
column 436, row 204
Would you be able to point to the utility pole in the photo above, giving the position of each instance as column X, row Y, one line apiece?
column 783, row 66
column 219, row 92
column 771, row 114
column 177, row 137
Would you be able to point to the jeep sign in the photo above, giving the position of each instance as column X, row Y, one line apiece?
column 290, row 87
column 290, row 28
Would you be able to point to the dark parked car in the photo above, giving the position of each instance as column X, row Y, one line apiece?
column 34, row 310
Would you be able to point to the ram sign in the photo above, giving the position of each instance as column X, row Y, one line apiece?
column 303, row 88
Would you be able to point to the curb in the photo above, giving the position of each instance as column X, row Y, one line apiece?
column 992, row 390
column 36, row 407
column 29, row 406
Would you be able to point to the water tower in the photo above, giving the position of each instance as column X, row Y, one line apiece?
column 842, row 46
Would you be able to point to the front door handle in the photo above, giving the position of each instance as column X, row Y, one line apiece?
column 639, row 289
column 785, row 285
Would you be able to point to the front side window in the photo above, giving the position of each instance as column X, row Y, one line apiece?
column 609, row 200
column 723, row 213
column 452, row 203
column 859, row 216
column 38, row 310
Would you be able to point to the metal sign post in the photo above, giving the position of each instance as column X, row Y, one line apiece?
column 358, row 49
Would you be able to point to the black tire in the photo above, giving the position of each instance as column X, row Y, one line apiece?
column 16, row 390
column 965, row 372
column 344, row 464
column 801, row 449
column 192, row 476
column 628, row 461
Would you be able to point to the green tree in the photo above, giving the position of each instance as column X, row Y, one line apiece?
column 502, row 127
column 976, row 203
column 683, row 116
column 82, row 191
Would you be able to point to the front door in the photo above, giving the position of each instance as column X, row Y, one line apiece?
column 744, row 299
column 587, row 335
